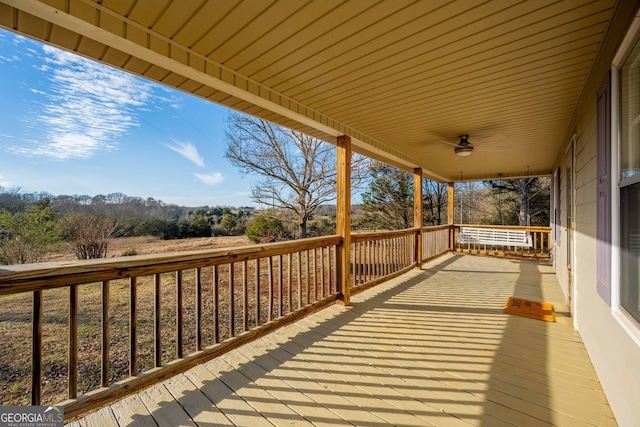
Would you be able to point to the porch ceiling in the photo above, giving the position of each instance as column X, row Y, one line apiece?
column 397, row 76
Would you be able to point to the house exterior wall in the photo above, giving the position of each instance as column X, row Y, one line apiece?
column 611, row 341
column 613, row 351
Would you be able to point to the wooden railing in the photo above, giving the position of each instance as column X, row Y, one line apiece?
column 540, row 249
column 159, row 315
column 380, row 256
column 376, row 257
column 435, row 241
column 106, row 328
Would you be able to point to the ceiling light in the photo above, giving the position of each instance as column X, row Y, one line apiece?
column 464, row 147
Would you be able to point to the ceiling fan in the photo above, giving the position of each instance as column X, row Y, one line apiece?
column 464, row 147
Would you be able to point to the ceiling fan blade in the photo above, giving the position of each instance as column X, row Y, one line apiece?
column 453, row 144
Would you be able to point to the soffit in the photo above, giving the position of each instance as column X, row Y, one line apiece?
column 399, row 76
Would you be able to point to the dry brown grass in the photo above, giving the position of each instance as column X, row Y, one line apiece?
column 152, row 245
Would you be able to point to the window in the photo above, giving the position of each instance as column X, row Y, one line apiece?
column 629, row 181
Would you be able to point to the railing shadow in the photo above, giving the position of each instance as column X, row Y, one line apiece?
column 431, row 348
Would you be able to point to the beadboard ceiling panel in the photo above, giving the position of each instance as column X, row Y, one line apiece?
column 403, row 78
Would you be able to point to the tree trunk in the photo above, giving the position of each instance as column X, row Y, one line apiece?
column 524, row 185
column 302, row 228
column 524, row 208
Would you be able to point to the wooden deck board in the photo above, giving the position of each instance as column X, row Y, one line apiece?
column 164, row 409
column 102, row 418
column 195, row 403
column 431, row 347
column 132, row 411
column 298, row 401
column 259, row 398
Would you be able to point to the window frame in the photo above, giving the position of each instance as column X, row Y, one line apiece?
column 628, row 323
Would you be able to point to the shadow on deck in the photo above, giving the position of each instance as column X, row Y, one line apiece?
column 430, row 347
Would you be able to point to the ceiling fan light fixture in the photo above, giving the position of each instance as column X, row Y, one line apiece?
column 464, row 147
column 463, row 151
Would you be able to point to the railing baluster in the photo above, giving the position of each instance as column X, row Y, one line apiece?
column 377, row 258
column 355, row 278
column 157, row 321
column 216, row 304
column 376, row 245
column 387, row 254
column 270, row 272
column 363, row 262
column 245, row 296
column 106, row 336
column 280, row 287
column 179, row 318
column 290, row 287
column 133, row 328
column 313, row 275
column 36, row 349
column 198, row 292
column 332, row 278
column 335, row 269
column 258, row 322
column 299, row 278
column 393, row 258
column 306, row 277
column 232, row 314
column 73, row 341
column 322, row 272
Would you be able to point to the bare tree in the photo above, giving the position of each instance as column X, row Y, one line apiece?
column 298, row 171
column 435, row 202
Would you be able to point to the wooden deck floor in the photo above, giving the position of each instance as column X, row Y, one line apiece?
column 431, row 347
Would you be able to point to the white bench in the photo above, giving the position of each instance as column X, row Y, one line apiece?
column 495, row 237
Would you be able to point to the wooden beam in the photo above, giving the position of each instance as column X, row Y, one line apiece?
column 343, row 218
column 450, row 219
column 417, row 214
column 450, row 203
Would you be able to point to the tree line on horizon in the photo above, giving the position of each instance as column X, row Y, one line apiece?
column 34, row 224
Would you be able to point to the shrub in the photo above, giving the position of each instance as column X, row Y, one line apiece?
column 267, row 229
column 28, row 236
column 130, row 251
column 88, row 234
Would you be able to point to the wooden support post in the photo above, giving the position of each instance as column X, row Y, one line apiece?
column 450, row 203
column 450, row 221
column 343, row 218
column 417, row 215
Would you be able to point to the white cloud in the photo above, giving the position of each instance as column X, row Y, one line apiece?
column 188, row 151
column 4, row 182
column 211, row 178
column 88, row 107
column 12, row 58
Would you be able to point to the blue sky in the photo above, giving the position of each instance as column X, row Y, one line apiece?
column 72, row 126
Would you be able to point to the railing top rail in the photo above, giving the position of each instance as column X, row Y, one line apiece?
column 437, row 227
column 380, row 235
column 33, row 277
